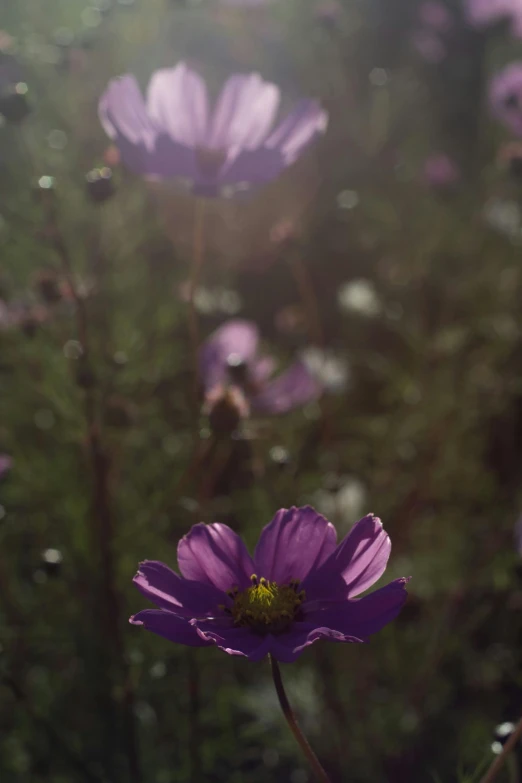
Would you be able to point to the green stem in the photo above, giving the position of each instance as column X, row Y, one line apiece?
column 293, row 724
column 501, row 758
column 195, row 274
column 194, row 710
column 310, row 304
column 198, row 252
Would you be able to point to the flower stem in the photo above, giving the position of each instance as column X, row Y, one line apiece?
column 102, row 524
column 198, row 252
column 195, row 273
column 306, row 289
column 194, row 683
column 506, row 750
column 293, row 724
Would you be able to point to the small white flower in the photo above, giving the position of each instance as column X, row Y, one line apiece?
column 359, row 296
column 332, row 370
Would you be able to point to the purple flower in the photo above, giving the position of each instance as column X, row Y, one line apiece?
column 435, row 23
column 298, row 588
column 20, row 314
column 174, row 135
column 230, row 358
column 435, row 15
column 6, row 463
column 440, row 170
column 505, row 96
column 482, row 13
column 429, row 45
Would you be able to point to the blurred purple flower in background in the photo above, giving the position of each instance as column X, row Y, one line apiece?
column 230, row 358
column 298, row 588
column 21, row 314
column 174, row 135
column 434, row 23
column 440, row 171
column 435, row 15
column 505, row 95
column 6, row 463
column 429, row 45
column 481, row 13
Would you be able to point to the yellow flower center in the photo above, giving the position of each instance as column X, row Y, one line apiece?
column 266, row 607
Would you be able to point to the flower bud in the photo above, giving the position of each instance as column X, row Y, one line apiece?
column 100, row 186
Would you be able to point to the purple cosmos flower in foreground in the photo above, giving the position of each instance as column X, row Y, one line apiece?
column 440, row 171
column 299, row 587
column 505, row 95
column 230, row 358
column 174, row 135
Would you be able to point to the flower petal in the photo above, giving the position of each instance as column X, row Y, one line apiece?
column 251, row 168
column 177, row 102
column 170, row 626
column 122, row 112
column 144, row 150
column 295, row 542
column 171, row 160
column 362, row 617
column 299, row 129
column 215, row 555
column 356, row 564
column 293, row 388
column 505, row 96
column 261, row 369
column 235, row 338
column 484, row 12
column 235, row 641
column 167, row 589
column 289, row 646
column 244, row 113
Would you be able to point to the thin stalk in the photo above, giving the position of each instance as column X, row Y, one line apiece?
column 102, row 514
column 102, row 528
column 198, row 251
column 294, row 726
column 194, row 710
column 502, row 757
column 310, row 303
column 308, row 296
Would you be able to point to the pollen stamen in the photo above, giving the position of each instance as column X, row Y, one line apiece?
column 266, row 607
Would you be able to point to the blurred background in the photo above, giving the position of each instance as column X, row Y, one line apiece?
column 389, row 258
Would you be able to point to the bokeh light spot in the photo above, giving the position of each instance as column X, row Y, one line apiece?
column 72, row 349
